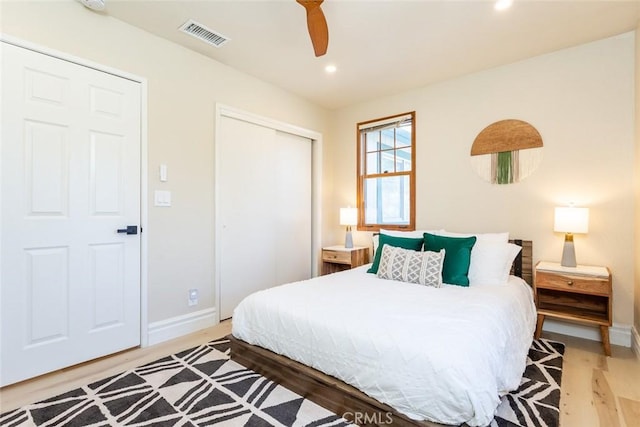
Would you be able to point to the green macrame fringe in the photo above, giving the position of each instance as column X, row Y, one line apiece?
column 504, row 174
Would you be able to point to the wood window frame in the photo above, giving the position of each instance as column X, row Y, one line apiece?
column 362, row 175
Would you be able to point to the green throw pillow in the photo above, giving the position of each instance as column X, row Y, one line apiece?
column 399, row 242
column 457, row 256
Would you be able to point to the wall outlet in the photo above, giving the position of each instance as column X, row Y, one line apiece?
column 193, row 297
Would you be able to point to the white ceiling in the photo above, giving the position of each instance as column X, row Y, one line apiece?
column 380, row 47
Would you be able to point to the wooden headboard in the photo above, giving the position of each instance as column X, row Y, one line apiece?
column 523, row 264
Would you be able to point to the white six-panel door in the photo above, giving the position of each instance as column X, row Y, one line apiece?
column 265, row 207
column 70, row 178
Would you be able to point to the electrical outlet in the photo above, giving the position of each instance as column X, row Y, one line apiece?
column 193, row 297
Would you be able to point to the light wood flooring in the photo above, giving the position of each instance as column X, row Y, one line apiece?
column 596, row 390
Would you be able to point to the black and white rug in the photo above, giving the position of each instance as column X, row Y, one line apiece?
column 537, row 401
column 202, row 387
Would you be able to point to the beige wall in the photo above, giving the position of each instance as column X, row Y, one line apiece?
column 637, row 186
column 581, row 100
column 183, row 89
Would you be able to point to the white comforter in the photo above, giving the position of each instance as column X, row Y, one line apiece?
column 444, row 355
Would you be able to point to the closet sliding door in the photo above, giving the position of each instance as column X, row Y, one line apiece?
column 264, row 207
column 292, row 222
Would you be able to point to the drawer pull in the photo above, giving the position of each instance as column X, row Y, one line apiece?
column 570, row 283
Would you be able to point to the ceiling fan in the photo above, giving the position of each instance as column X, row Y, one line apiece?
column 317, row 25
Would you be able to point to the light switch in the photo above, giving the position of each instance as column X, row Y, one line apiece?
column 162, row 198
column 163, row 173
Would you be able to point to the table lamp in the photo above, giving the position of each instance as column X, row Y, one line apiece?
column 348, row 217
column 570, row 220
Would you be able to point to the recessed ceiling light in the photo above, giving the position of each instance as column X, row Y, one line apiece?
column 502, row 4
column 331, row 69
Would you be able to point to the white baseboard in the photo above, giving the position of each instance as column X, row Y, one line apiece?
column 178, row 326
column 635, row 341
column 618, row 334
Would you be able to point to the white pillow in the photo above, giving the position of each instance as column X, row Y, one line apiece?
column 484, row 259
column 491, row 262
column 421, row 267
column 398, row 233
column 412, row 234
column 481, row 237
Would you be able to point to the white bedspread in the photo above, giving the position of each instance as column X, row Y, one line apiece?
column 444, row 355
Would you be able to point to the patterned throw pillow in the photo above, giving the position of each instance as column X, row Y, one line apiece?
column 424, row 268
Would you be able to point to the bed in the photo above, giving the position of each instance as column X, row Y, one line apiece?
column 357, row 344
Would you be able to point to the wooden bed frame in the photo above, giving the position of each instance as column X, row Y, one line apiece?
column 333, row 394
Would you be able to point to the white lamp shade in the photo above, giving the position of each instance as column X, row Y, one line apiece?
column 571, row 220
column 348, row 216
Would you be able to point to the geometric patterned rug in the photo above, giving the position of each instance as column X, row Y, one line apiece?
column 202, row 387
column 537, row 401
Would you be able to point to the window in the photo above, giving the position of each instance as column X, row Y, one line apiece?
column 386, row 173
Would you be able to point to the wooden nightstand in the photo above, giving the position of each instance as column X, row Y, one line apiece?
column 339, row 258
column 580, row 294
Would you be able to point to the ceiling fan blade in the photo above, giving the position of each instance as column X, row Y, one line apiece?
column 317, row 25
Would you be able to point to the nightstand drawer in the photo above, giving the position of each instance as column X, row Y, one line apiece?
column 568, row 283
column 339, row 257
column 578, row 294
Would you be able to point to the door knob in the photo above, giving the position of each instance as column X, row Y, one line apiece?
column 131, row 229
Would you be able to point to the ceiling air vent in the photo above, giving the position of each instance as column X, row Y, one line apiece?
column 203, row 33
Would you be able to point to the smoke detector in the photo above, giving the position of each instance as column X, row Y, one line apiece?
column 94, row 4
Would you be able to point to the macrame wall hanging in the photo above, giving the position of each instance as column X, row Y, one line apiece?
column 507, row 151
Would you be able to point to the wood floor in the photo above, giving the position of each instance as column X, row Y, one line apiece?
column 596, row 390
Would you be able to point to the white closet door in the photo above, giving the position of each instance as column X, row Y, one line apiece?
column 292, row 245
column 264, row 185
column 70, row 179
column 246, row 184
